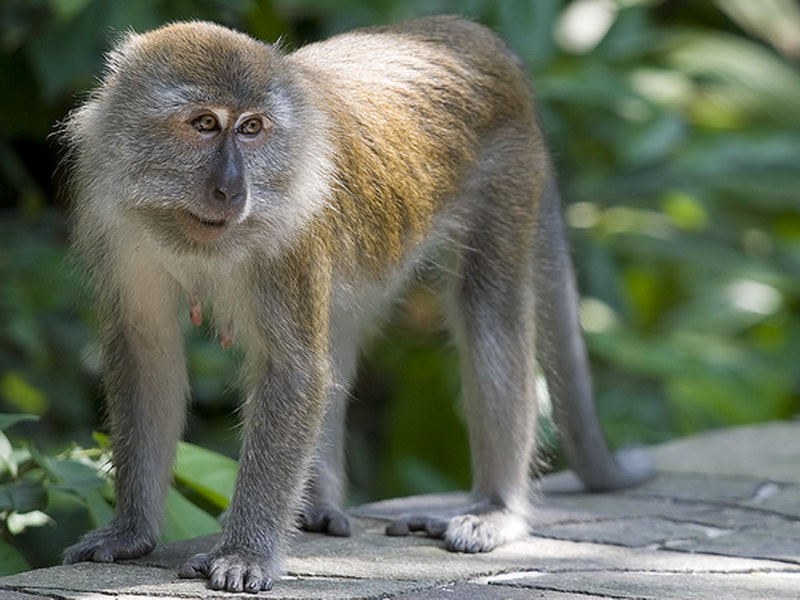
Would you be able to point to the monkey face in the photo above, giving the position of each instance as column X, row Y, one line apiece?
column 207, row 141
column 223, row 137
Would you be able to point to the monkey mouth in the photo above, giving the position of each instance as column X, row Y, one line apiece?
column 204, row 229
column 209, row 222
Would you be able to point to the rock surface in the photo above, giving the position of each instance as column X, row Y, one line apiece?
column 721, row 520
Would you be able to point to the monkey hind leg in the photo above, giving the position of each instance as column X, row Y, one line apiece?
column 322, row 508
column 321, row 511
column 488, row 299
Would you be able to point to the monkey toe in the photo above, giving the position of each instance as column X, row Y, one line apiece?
column 230, row 571
column 434, row 527
column 329, row 521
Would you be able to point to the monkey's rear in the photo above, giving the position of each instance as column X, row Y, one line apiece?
column 296, row 194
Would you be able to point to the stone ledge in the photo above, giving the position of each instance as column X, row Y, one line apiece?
column 722, row 519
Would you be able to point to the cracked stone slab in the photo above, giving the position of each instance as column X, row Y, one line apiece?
column 690, row 487
column 412, row 573
column 635, row 533
column 767, row 451
column 647, row 585
column 588, row 507
column 371, row 554
column 779, row 498
column 122, row 581
column 471, row 591
column 761, row 543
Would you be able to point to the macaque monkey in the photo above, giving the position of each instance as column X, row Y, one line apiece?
column 294, row 195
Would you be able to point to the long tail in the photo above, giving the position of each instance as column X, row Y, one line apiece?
column 563, row 357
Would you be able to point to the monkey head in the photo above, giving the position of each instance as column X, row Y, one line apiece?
column 205, row 140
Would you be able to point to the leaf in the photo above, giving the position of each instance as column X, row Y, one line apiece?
column 211, row 474
column 6, row 464
column 655, row 140
column 23, row 496
column 100, row 511
column 71, row 474
column 11, row 561
column 9, row 420
column 185, row 520
column 18, row 522
column 19, row 392
column 746, row 76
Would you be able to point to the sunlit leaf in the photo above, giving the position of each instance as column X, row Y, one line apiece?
column 21, row 394
column 743, row 75
column 18, row 522
column 209, row 473
column 185, row 520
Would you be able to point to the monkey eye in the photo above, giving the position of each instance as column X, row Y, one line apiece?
column 251, row 126
column 206, row 123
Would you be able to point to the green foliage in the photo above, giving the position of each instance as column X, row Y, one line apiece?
column 29, row 481
column 40, row 491
column 676, row 133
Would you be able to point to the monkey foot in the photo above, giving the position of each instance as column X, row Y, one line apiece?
column 478, row 531
column 108, row 545
column 231, row 570
column 330, row 521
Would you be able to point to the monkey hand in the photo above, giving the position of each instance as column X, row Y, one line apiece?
column 479, row 530
column 232, row 569
column 110, row 544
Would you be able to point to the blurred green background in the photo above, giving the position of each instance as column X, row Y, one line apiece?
column 675, row 126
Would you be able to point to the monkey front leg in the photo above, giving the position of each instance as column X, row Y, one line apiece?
column 146, row 385
column 281, row 421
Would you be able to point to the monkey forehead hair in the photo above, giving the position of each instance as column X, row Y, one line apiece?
column 196, row 62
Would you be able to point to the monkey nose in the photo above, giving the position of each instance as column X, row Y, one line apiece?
column 231, row 195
